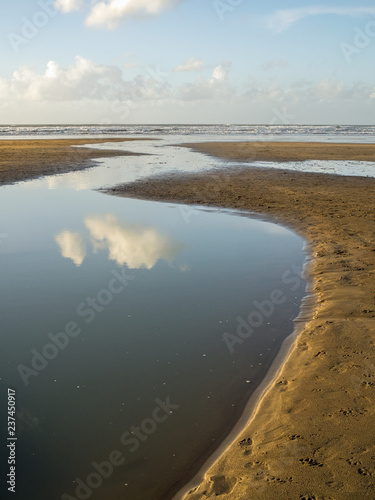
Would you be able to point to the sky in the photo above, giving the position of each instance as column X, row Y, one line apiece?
column 187, row 61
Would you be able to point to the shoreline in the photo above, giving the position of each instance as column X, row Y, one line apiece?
column 306, row 310
column 24, row 159
column 313, row 424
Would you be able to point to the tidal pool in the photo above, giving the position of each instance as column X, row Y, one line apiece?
column 133, row 333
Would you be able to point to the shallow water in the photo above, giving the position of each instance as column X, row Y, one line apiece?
column 332, row 167
column 133, row 332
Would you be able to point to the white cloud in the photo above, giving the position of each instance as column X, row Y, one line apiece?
column 136, row 246
column 68, row 5
column 72, row 246
column 111, row 12
column 86, row 81
column 283, row 19
column 191, row 64
column 219, row 74
column 81, row 81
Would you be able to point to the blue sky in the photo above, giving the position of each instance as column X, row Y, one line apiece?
column 187, row 61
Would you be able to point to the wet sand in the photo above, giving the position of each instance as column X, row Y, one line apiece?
column 286, row 151
column 27, row 159
column 312, row 434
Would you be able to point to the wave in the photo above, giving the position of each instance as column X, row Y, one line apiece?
column 355, row 131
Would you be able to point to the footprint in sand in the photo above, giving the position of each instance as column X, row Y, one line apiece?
column 222, row 485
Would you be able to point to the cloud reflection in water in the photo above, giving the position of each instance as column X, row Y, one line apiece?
column 135, row 246
column 72, row 246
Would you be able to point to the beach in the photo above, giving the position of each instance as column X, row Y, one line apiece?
column 187, row 249
column 311, row 435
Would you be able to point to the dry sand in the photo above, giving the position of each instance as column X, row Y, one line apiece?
column 26, row 159
column 313, row 433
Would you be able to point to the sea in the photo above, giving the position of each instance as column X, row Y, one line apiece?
column 350, row 133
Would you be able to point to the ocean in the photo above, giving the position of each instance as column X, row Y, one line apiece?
column 351, row 133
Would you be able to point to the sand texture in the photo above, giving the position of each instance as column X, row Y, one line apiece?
column 26, row 159
column 313, row 433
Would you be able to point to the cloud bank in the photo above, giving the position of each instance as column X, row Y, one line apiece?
column 86, row 80
column 104, row 94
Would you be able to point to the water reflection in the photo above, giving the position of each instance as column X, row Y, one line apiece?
column 161, row 338
column 136, row 246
